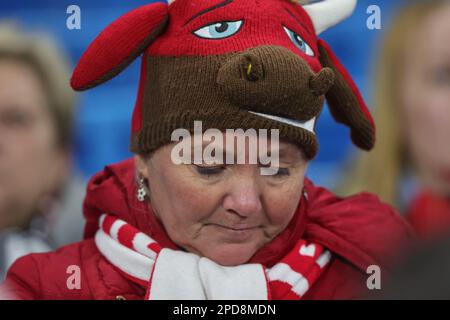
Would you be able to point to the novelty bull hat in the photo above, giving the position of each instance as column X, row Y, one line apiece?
column 230, row 64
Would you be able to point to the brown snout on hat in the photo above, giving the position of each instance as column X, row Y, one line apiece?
column 273, row 80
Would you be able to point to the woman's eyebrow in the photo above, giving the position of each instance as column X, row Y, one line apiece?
column 217, row 6
column 301, row 23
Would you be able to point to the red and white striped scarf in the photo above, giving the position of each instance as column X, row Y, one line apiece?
column 177, row 275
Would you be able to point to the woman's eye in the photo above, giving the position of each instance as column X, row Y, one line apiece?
column 282, row 172
column 299, row 42
column 209, row 171
column 219, row 30
column 278, row 172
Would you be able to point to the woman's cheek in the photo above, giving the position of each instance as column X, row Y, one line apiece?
column 193, row 201
column 279, row 210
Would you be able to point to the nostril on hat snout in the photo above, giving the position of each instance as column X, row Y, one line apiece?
column 252, row 68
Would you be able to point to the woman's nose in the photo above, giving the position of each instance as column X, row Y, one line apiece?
column 244, row 199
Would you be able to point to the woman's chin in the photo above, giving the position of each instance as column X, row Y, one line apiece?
column 231, row 254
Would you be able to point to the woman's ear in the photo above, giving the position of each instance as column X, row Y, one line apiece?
column 141, row 166
column 345, row 101
column 119, row 45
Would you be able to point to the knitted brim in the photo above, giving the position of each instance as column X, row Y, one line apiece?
column 158, row 132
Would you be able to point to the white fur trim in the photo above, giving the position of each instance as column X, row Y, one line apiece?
column 328, row 13
column 307, row 125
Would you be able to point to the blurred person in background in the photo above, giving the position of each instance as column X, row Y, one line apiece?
column 39, row 205
column 410, row 165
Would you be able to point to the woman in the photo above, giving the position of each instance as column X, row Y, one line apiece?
column 35, row 148
column 413, row 94
column 195, row 215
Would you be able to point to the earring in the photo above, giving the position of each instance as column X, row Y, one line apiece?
column 141, row 192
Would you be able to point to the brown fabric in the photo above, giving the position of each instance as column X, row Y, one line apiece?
column 220, row 90
column 345, row 108
column 322, row 82
column 278, row 83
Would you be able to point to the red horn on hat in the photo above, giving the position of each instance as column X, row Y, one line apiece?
column 119, row 45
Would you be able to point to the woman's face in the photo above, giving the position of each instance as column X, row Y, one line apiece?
column 30, row 162
column 224, row 212
column 425, row 98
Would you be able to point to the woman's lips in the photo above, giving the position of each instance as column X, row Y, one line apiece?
column 240, row 228
column 236, row 233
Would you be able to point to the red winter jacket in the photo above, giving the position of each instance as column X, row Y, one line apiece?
column 360, row 230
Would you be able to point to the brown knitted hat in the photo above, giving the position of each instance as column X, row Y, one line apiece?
column 249, row 64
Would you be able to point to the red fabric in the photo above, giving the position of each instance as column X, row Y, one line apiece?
column 307, row 266
column 122, row 37
column 126, row 236
column 429, row 215
column 359, row 230
column 116, row 43
column 260, row 19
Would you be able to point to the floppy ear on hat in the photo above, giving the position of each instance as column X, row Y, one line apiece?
column 345, row 101
column 119, row 45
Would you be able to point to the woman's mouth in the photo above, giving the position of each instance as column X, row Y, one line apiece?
column 241, row 228
column 237, row 233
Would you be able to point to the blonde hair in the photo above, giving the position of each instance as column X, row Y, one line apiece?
column 42, row 55
column 380, row 171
